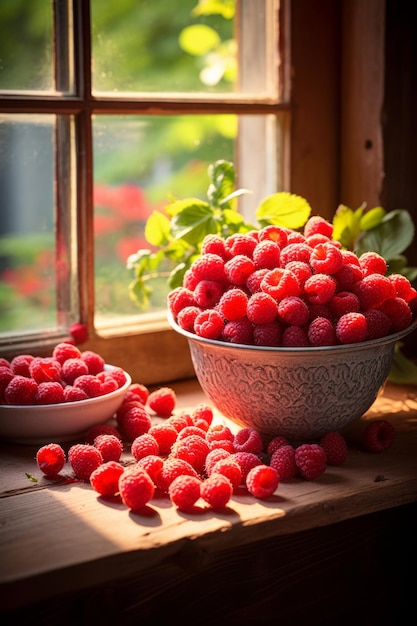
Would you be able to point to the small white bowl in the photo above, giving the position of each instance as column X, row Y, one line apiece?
column 53, row 423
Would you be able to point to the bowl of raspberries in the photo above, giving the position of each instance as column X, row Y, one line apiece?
column 289, row 333
column 58, row 397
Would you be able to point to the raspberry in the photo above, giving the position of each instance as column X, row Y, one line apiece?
column 261, row 308
column 179, row 421
column 136, row 488
column 297, row 251
column 64, row 351
column 214, row 244
column 50, row 393
column 232, row 304
column 209, row 267
column 126, row 406
column 377, row 324
column 207, row 293
column 144, row 445
column 280, row 283
column 184, row 491
column 246, row 461
column 229, row 468
column 373, row 290
column 108, row 383
column 101, row 429
column 216, row 490
column 319, row 288
column 378, row 436
column 213, row 457
column 171, row 468
column 253, row 282
column 326, row 258
column 334, row 445
column 50, row 459
column 301, row 271
column 316, row 239
column 262, row 481
column 248, row 440
column 238, row 331
column 283, row 461
column 398, row 312
column 72, row 368
column 90, row 384
column 105, row 478
column 351, row 328
column 203, row 411
column 186, row 317
column 239, row 243
column 4, row 363
column 109, row 446
column 179, row 298
column 153, row 465
column 222, row 443
column 266, row 254
column 276, row 443
column 134, row 422
column 295, row 237
column 44, row 370
column 21, row 391
column 20, row 364
column 94, row 361
column 193, row 449
column 295, row 337
column 344, row 302
column 321, row 332
column 293, row 310
column 6, row 375
column 165, row 435
column 84, row 459
column 191, row 430
column 238, row 269
column 73, row 394
column 78, row 332
column 310, row 459
column 273, row 233
column 219, row 432
column 209, row 324
column 317, row 224
column 267, row 334
column 346, row 277
column 137, row 391
column 402, row 286
column 162, row 401
column 372, row 263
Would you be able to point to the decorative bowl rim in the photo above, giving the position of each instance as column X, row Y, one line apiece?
column 363, row 345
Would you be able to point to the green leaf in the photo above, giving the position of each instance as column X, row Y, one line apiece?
column 223, row 176
column 193, row 224
column 346, row 226
column 33, row 479
column 178, row 206
column 283, row 209
column 157, row 229
column 225, row 8
column 372, row 218
column 198, row 39
column 390, row 238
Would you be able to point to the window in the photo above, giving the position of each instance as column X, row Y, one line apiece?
column 128, row 103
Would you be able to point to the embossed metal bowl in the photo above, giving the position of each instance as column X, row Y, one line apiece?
column 300, row 393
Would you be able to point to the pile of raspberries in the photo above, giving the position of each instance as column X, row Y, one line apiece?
column 189, row 459
column 280, row 287
column 68, row 375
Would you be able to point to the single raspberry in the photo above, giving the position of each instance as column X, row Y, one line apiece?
column 346, row 277
column 21, row 391
column 213, row 457
column 186, row 317
column 296, row 251
column 399, row 313
column 209, row 267
column 321, row 332
column 179, row 298
column 253, row 282
column 45, row 370
column 162, row 401
column 179, row 421
column 216, row 490
column 134, row 422
column 209, row 324
column 377, row 324
column 238, row 269
column 219, row 432
column 267, row 254
column 6, row 375
column 84, row 459
column 372, row 263
column 344, row 302
column 78, row 332
column 240, row 243
column 72, row 368
column 202, row 411
column 64, row 351
column 201, row 423
column 214, row 244
column 295, row 337
column 222, row 443
column 152, row 464
column 233, row 303
column 137, row 391
column 246, row 460
column 248, row 440
column 310, row 459
column 402, row 286
column 351, row 328
column 207, row 293
column 317, row 224
column 267, row 334
column 109, row 446
column 280, row 283
column 319, row 288
column 171, row 468
column 105, row 478
column 191, row 430
column 126, row 406
column 301, row 271
column 238, row 331
column 275, row 443
column 50, row 393
column 294, row 236
column 316, row 239
column 262, row 481
column 274, row 233
column 73, row 394
column 230, row 468
column 20, row 364
column 184, row 491
column 101, row 429
column 261, row 308
column 136, row 488
column 283, row 461
column 94, row 361
column 118, row 374
column 144, row 445
column 50, row 459
column 378, row 436
column 326, row 258
column 90, row 384
column 108, row 383
column 293, row 310
column 193, row 449
column 373, row 290
column 5, row 363
column 335, row 447
column 166, row 436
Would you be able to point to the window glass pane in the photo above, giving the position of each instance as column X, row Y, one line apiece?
column 200, row 46
column 27, row 225
column 26, row 45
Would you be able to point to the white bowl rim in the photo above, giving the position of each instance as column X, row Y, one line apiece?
column 76, row 403
column 362, row 345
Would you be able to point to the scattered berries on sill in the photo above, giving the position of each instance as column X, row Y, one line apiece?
column 283, row 461
column 184, row 491
column 246, row 461
column 105, row 478
column 165, row 434
column 50, row 459
column 310, row 459
column 213, row 457
column 171, row 468
column 262, row 481
column 152, row 464
column 134, row 422
column 144, row 445
column 335, row 447
column 229, row 468
column 109, row 446
column 162, row 401
column 216, row 490
column 136, row 488
column 84, row 459
column 378, row 436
